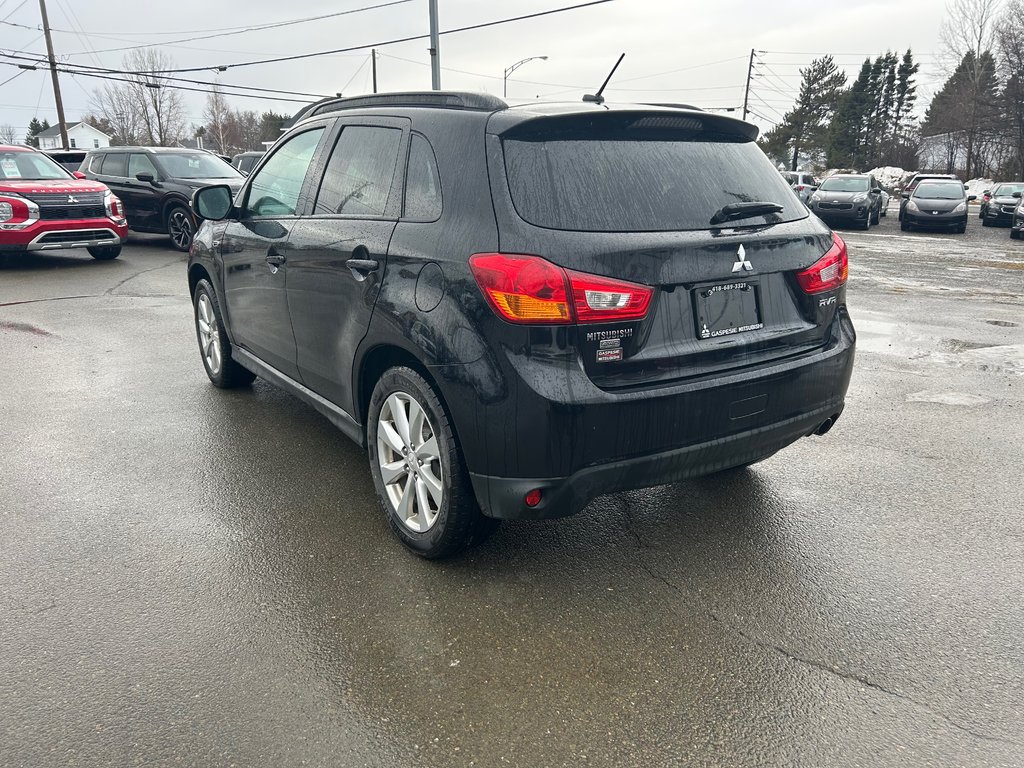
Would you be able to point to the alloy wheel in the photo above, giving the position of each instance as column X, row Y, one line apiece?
column 209, row 333
column 179, row 227
column 409, row 459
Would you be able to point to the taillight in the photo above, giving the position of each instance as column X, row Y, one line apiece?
column 829, row 272
column 529, row 289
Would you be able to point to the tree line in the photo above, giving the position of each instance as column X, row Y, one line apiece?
column 974, row 125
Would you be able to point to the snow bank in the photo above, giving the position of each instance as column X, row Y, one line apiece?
column 977, row 186
column 890, row 176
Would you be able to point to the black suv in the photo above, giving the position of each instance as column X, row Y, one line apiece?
column 156, row 185
column 848, row 198
column 515, row 309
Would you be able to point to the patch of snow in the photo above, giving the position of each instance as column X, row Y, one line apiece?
column 890, row 176
column 977, row 186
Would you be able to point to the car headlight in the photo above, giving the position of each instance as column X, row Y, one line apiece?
column 960, row 208
column 814, row 198
column 912, row 206
column 860, row 198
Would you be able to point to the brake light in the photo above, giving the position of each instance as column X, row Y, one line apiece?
column 532, row 290
column 829, row 272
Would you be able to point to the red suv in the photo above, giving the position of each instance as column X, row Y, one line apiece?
column 45, row 207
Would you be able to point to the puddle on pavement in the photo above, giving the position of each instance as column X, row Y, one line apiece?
column 1002, row 323
column 961, row 345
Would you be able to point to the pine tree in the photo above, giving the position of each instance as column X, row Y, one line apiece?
column 906, row 95
column 34, row 129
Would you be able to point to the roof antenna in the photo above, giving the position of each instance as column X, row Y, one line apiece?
column 597, row 98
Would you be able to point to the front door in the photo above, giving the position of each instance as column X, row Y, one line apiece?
column 254, row 249
column 337, row 255
column 142, row 198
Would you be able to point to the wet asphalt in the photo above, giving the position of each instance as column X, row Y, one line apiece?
column 191, row 577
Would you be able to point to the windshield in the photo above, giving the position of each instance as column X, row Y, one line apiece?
column 844, row 184
column 30, row 166
column 1007, row 190
column 940, row 190
column 642, row 184
column 195, row 165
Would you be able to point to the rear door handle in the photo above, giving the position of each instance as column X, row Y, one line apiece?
column 275, row 259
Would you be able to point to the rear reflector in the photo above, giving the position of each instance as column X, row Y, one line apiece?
column 533, row 498
column 827, row 273
column 532, row 290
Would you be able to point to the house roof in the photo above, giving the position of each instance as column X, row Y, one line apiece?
column 54, row 130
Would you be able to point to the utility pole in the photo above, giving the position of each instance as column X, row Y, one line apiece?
column 435, row 52
column 746, row 91
column 373, row 61
column 53, row 76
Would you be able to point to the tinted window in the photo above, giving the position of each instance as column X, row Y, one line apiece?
column 845, row 184
column 1007, row 190
column 360, row 172
column 422, row 183
column 140, row 163
column 95, row 164
column 196, row 165
column 639, row 184
column 275, row 188
column 116, row 164
column 939, row 190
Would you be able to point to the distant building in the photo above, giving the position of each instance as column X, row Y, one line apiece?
column 80, row 136
column 947, row 153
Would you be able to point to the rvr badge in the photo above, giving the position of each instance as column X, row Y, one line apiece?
column 741, row 261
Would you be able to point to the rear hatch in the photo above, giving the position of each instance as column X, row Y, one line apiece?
column 630, row 195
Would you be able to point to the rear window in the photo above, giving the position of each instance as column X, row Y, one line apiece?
column 640, row 181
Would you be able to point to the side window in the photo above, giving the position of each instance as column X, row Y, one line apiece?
column 116, row 165
column 422, row 182
column 73, row 144
column 95, row 143
column 95, row 163
column 358, row 177
column 140, row 163
column 274, row 191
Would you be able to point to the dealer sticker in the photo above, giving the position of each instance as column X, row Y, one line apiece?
column 609, row 355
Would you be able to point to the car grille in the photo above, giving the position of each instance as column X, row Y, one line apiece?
column 77, row 236
column 1007, row 209
column 835, row 206
column 60, row 206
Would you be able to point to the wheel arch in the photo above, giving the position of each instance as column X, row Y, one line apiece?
column 198, row 272
column 172, row 201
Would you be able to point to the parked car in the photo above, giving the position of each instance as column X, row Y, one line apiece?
column 848, row 198
column 1017, row 225
column 912, row 183
column 70, row 159
column 156, row 185
column 245, row 161
column 516, row 309
column 45, row 207
column 998, row 209
column 937, row 204
column 804, row 184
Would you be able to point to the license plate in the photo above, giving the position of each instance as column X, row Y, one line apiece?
column 727, row 309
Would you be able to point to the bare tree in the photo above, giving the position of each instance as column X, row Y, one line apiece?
column 8, row 134
column 1011, row 48
column 218, row 117
column 968, row 35
column 117, row 105
column 161, row 109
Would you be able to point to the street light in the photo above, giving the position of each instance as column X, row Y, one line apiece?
column 513, row 68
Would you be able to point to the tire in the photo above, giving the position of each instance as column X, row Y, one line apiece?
column 1014, row 234
column 433, row 524
column 181, row 227
column 214, row 346
column 961, row 229
column 875, row 217
column 867, row 223
column 104, row 252
column 904, row 226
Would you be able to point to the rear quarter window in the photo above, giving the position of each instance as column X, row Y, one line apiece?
column 640, row 181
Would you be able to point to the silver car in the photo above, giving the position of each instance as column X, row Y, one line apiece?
column 804, row 184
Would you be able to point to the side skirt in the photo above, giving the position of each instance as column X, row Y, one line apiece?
column 338, row 417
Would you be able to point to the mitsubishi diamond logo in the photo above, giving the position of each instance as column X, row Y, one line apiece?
column 741, row 261
column 72, row 199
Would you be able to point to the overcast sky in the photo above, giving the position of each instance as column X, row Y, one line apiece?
column 692, row 51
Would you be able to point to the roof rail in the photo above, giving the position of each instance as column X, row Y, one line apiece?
column 674, row 106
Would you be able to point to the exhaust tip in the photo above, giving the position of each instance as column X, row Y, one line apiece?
column 826, row 425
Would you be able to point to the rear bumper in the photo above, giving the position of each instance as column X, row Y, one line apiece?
column 49, row 235
column 731, row 421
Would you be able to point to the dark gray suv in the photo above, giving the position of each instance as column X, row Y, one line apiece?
column 515, row 309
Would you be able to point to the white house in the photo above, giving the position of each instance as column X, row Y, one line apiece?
column 80, row 135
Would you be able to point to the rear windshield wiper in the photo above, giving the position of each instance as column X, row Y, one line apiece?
column 744, row 211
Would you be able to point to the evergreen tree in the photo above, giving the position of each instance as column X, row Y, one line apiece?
column 804, row 129
column 34, row 129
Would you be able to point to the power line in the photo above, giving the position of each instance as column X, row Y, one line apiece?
column 379, row 44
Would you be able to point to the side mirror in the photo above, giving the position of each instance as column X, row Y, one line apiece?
column 971, row 197
column 78, row 175
column 213, row 203
column 905, row 195
column 146, row 177
column 877, row 190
